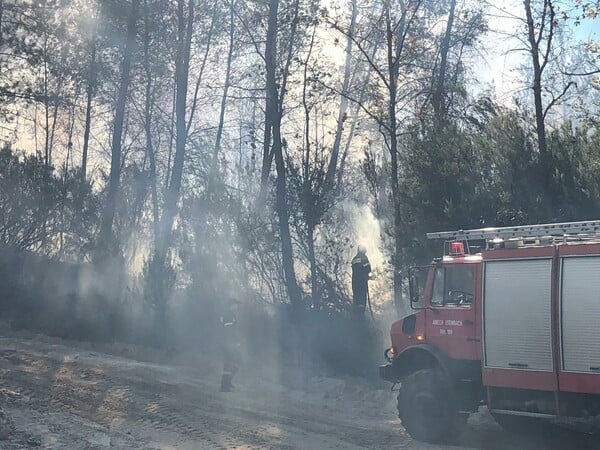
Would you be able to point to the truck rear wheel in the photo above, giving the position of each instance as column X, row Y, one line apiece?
column 425, row 406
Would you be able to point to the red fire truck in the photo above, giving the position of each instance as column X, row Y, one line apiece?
column 513, row 323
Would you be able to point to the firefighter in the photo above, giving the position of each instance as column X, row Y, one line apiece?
column 361, row 270
column 230, row 346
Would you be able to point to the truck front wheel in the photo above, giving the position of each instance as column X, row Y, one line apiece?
column 425, row 405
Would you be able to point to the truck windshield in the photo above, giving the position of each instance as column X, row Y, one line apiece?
column 452, row 286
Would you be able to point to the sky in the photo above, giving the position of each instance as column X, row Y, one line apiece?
column 498, row 67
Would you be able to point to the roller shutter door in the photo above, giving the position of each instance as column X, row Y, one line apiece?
column 517, row 314
column 580, row 314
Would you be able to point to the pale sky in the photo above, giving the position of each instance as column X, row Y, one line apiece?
column 499, row 66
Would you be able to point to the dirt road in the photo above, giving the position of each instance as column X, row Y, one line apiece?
column 61, row 395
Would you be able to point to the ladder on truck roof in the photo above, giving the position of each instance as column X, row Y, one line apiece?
column 585, row 229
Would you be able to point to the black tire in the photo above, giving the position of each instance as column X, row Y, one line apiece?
column 426, row 406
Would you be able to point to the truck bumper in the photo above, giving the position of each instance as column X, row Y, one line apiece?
column 386, row 372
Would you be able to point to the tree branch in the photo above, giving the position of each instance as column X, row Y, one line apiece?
column 542, row 24
column 357, row 102
column 364, row 52
column 557, row 99
column 550, row 35
column 584, row 74
column 250, row 35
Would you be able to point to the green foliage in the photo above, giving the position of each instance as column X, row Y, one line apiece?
column 42, row 210
column 575, row 155
column 444, row 185
column 462, row 178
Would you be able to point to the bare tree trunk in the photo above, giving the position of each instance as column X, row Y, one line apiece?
column 357, row 108
column 1, row 20
column 438, row 93
column 181, row 80
column 215, row 156
column 270, row 60
column 283, row 216
column 310, row 214
column 171, row 136
column 395, row 35
column 47, row 148
column 274, row 117
column 201, row 71
column 314, row 270
column 159, row 269
column 72, row 116
column 88, row 104
column 56, row 105
column 393, row 68
column 65, row 178
column 267, row 159
column 279, row 91
column 148, row 124
column 535, row 37
column 342, row 113
column 47, row 156
column 108, row 215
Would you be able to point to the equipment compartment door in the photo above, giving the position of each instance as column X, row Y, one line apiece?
column 580, row 321
column 517, row 318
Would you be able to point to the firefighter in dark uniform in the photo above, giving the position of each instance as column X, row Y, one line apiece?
column 230, row 346
column 361, row 269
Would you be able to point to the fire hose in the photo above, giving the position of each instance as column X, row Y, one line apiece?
column 369, row 303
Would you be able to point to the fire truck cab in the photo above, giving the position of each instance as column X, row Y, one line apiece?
column 514, row 324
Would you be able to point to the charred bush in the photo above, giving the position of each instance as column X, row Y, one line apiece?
column 67, row 300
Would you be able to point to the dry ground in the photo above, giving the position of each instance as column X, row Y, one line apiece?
column 63, row 395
